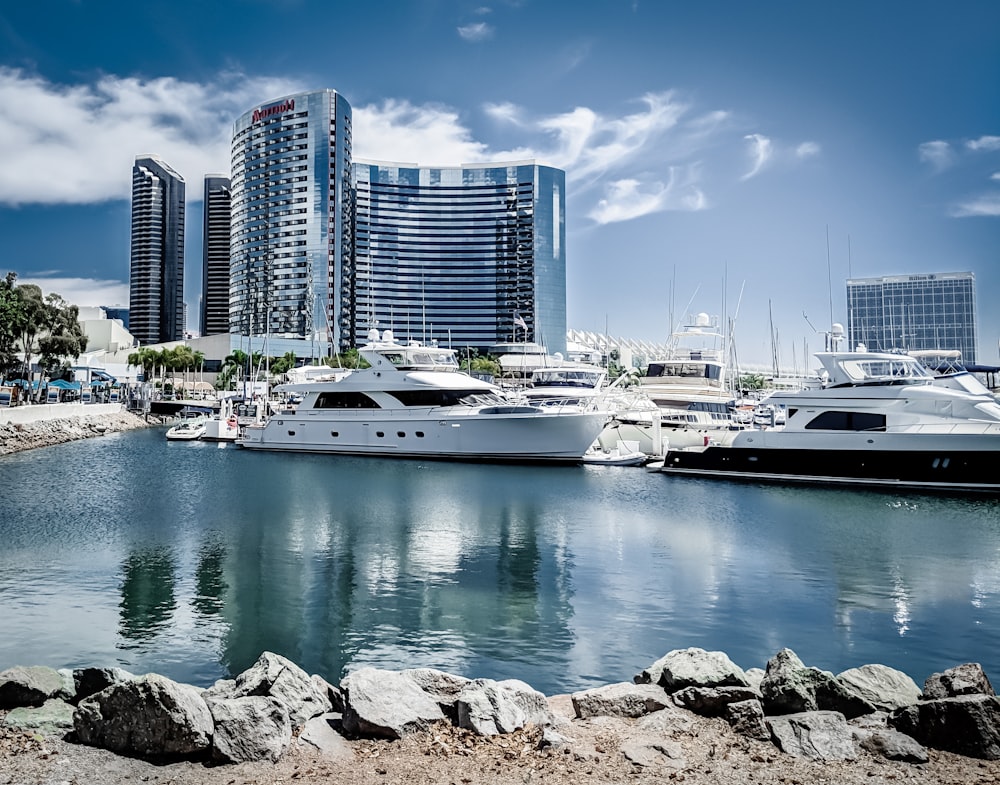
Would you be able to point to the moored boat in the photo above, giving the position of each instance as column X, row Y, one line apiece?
column 414, row 402
column 877, row 420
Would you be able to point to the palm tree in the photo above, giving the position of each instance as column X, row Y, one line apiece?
column 236, row 361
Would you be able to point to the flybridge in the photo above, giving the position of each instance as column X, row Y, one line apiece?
column 269, row 111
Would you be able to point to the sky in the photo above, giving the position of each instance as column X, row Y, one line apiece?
column 738, row 159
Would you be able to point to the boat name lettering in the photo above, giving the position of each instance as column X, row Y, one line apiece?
column 269, row 111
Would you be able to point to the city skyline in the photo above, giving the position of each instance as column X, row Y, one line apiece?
column 723, row 158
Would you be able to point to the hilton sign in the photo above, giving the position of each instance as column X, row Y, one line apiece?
column 269, row 111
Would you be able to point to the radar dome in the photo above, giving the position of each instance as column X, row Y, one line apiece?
column 702, row 320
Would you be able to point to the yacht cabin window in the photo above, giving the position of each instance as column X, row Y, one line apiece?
column 847, row 421
column 686, row 370
column 344, row 400
column 434, row 397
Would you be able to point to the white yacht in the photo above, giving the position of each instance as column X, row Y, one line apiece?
column 877, row 420
column 414, row 402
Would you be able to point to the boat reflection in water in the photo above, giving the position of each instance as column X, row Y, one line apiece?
column 414, row 402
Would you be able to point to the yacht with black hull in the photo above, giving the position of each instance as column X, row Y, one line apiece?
column 877, row 420
column 413, row 402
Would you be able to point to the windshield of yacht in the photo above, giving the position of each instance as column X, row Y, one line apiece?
column 563, row 378
column 990, row 410
column 438, row 397
column 425, row 357
column 683, row 371
column 904, row 370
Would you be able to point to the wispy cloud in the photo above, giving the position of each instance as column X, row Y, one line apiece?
column 81, row 291
column 987, row 143
column 476, row 31
column 625, row 200
column 987, row 205
column 77, row 144
column 760, row 154
column 807, row 150
column 938, row 154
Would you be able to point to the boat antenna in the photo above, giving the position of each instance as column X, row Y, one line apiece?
column 829, row 275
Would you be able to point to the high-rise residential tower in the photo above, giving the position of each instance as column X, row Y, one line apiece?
column 156, row 265
column 914, row 312
column 215, row 256
column 291, row 261
column 473, row 255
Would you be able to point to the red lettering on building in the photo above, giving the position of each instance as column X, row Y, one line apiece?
column 274, row 109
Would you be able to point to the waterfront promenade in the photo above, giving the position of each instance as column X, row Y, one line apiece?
column 43, row 425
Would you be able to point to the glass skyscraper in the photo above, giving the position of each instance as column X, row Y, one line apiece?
column 215, row 256
column 472, row 255
column 156, row 258
column 291, row 262
column 914, row 312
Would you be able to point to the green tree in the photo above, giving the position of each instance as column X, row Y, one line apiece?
column 63, row 339
column 283, row 364
column 11, row 317
column 31, row 323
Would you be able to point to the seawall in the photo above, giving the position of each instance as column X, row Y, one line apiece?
column 43, row 425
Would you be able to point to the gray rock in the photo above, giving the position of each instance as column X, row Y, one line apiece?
column 619, row 700
column 320, row 734
column 815, row 735
column 754, row 677
column 335, row 696
column 148, row 716
column 747, row 719
column 386, row 704
column 881, row 686
column 489, row 707
column 967, row 724
column 665, row 722
column 277, row 677
column 223, row 688
column 52, row 718
column 654, row 753
column 29, row 686
column 967, row 679
column 712, row 701
column 88, row 681
column 789, row 687
column 250, row 728
column 443, row 687
column 693, row 668
column 891, row 745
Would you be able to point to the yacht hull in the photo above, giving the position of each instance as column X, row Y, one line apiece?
column 473, row 436
column 934, row 469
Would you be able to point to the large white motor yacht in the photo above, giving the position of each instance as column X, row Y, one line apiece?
column 877, row 420
column 414, row 402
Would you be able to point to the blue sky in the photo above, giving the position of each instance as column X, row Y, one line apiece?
column 728, row 157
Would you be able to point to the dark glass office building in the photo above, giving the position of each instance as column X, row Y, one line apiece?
column 215, row 256
column 156, row 260
column 291, row 264
column 472, row 255
column 914, row 312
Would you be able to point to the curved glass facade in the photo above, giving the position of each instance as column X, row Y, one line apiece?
column 290, row 246
column 468, row 256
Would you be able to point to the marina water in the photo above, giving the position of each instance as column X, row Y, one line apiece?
column 190, row 559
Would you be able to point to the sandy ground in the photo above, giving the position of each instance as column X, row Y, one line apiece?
column 707, row 751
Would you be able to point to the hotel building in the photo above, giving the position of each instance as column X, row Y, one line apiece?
column 472, row 255
column 914, row 312
column 156, row 259
column 215, row 256
column 291, row 262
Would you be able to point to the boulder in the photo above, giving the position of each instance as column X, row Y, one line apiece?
column 147, row 716
column 747, row 719
column 624, row 699
column 489, row 707
column 693, row 668
column 967, row 679
column 712, row 701
column 443, row 687
column 335, row 696
column 250, row 728
column 789, row 687
column 967, row 724
column 52, row 718
column 30, row 686
column 883, row 687
column 754, row 676
column 386, row 704
column 277, row 677
column 815, row 735
column 322, row 737
column 88, row 681
column 891, row 745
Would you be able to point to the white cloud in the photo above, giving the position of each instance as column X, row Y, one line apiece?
column 505, row 112
column 987, row 205
column 77, row 144
column 937, row 153
column 629, row 198
column 995, row 176
column 807, row 150
column 760, row 153
column 986, row 143
column 476, row 31
column 81, row 291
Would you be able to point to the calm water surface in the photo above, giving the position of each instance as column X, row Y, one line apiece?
column 191, row 559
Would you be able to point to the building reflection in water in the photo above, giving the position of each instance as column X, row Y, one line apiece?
column 148, row 594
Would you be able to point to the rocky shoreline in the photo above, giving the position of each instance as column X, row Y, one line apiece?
column 690, row 716
column 19, row 436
